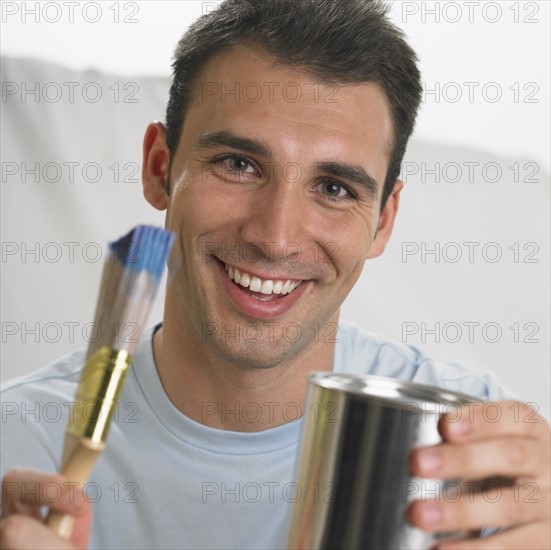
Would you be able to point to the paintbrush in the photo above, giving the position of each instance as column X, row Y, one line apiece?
column 130, row 279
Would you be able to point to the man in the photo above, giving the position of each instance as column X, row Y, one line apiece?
column 276, row 204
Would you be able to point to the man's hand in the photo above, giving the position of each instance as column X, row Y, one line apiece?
column 501, row 451
column 24, row 492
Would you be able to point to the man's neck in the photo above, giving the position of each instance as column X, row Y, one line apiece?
column 214, row 392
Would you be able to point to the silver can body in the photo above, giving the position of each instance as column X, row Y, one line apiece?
column 353, row 470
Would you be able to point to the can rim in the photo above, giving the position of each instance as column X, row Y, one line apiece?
column 389, row 390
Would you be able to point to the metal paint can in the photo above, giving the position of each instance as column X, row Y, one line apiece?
column 353, row 468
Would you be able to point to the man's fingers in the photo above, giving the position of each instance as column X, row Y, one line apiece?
column 511, row 539
column 25, row 491
column 510, row 457
column 504, row 449
column 27, row 533
column 463, row 509
column 480, row 421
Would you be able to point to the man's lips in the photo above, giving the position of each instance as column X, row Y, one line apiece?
column 275, row 297
column 260, row 285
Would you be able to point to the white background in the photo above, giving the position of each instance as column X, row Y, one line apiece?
column 498, row 47
column 486, row 44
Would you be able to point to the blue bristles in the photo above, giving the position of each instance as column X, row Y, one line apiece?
column 144, row 248
column 131, row 277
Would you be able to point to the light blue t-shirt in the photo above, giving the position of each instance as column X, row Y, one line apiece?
column 166, row 481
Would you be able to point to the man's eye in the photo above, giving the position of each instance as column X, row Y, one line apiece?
column 236, row 168
column 239, row 164
column 335, row 190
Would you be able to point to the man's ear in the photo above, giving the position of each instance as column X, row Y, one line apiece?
column 386, row 222
column 156, row 160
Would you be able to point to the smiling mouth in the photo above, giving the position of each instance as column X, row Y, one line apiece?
column 262, row 289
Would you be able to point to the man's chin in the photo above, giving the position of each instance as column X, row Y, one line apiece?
column 253, row 361
column 254, row 356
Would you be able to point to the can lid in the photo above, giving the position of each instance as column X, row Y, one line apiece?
column 390, row 390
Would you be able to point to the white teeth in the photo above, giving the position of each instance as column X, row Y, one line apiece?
column 261, row 298
column 256, row 284
column 245, row 280
column 294, row 285
column 267, row 287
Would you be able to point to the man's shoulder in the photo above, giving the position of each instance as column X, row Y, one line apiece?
column 363, row 352
column 35, row 409
column 58, row 379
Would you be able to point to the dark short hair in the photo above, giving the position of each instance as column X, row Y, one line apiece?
column 336, row 41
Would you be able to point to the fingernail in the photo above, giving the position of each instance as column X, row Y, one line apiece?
column 429, row 460
column 431, row 514
column 461, row 427
column 444, row 546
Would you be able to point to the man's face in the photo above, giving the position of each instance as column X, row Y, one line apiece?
column 279, row 177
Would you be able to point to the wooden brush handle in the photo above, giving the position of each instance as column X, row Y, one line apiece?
column 79, row 456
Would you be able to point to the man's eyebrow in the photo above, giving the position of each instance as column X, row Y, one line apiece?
column 225, row 138
column 350, row 172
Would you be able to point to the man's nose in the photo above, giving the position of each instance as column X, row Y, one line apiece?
column 277, row 221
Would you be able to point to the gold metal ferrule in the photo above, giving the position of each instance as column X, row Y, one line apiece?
column 98, row 392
